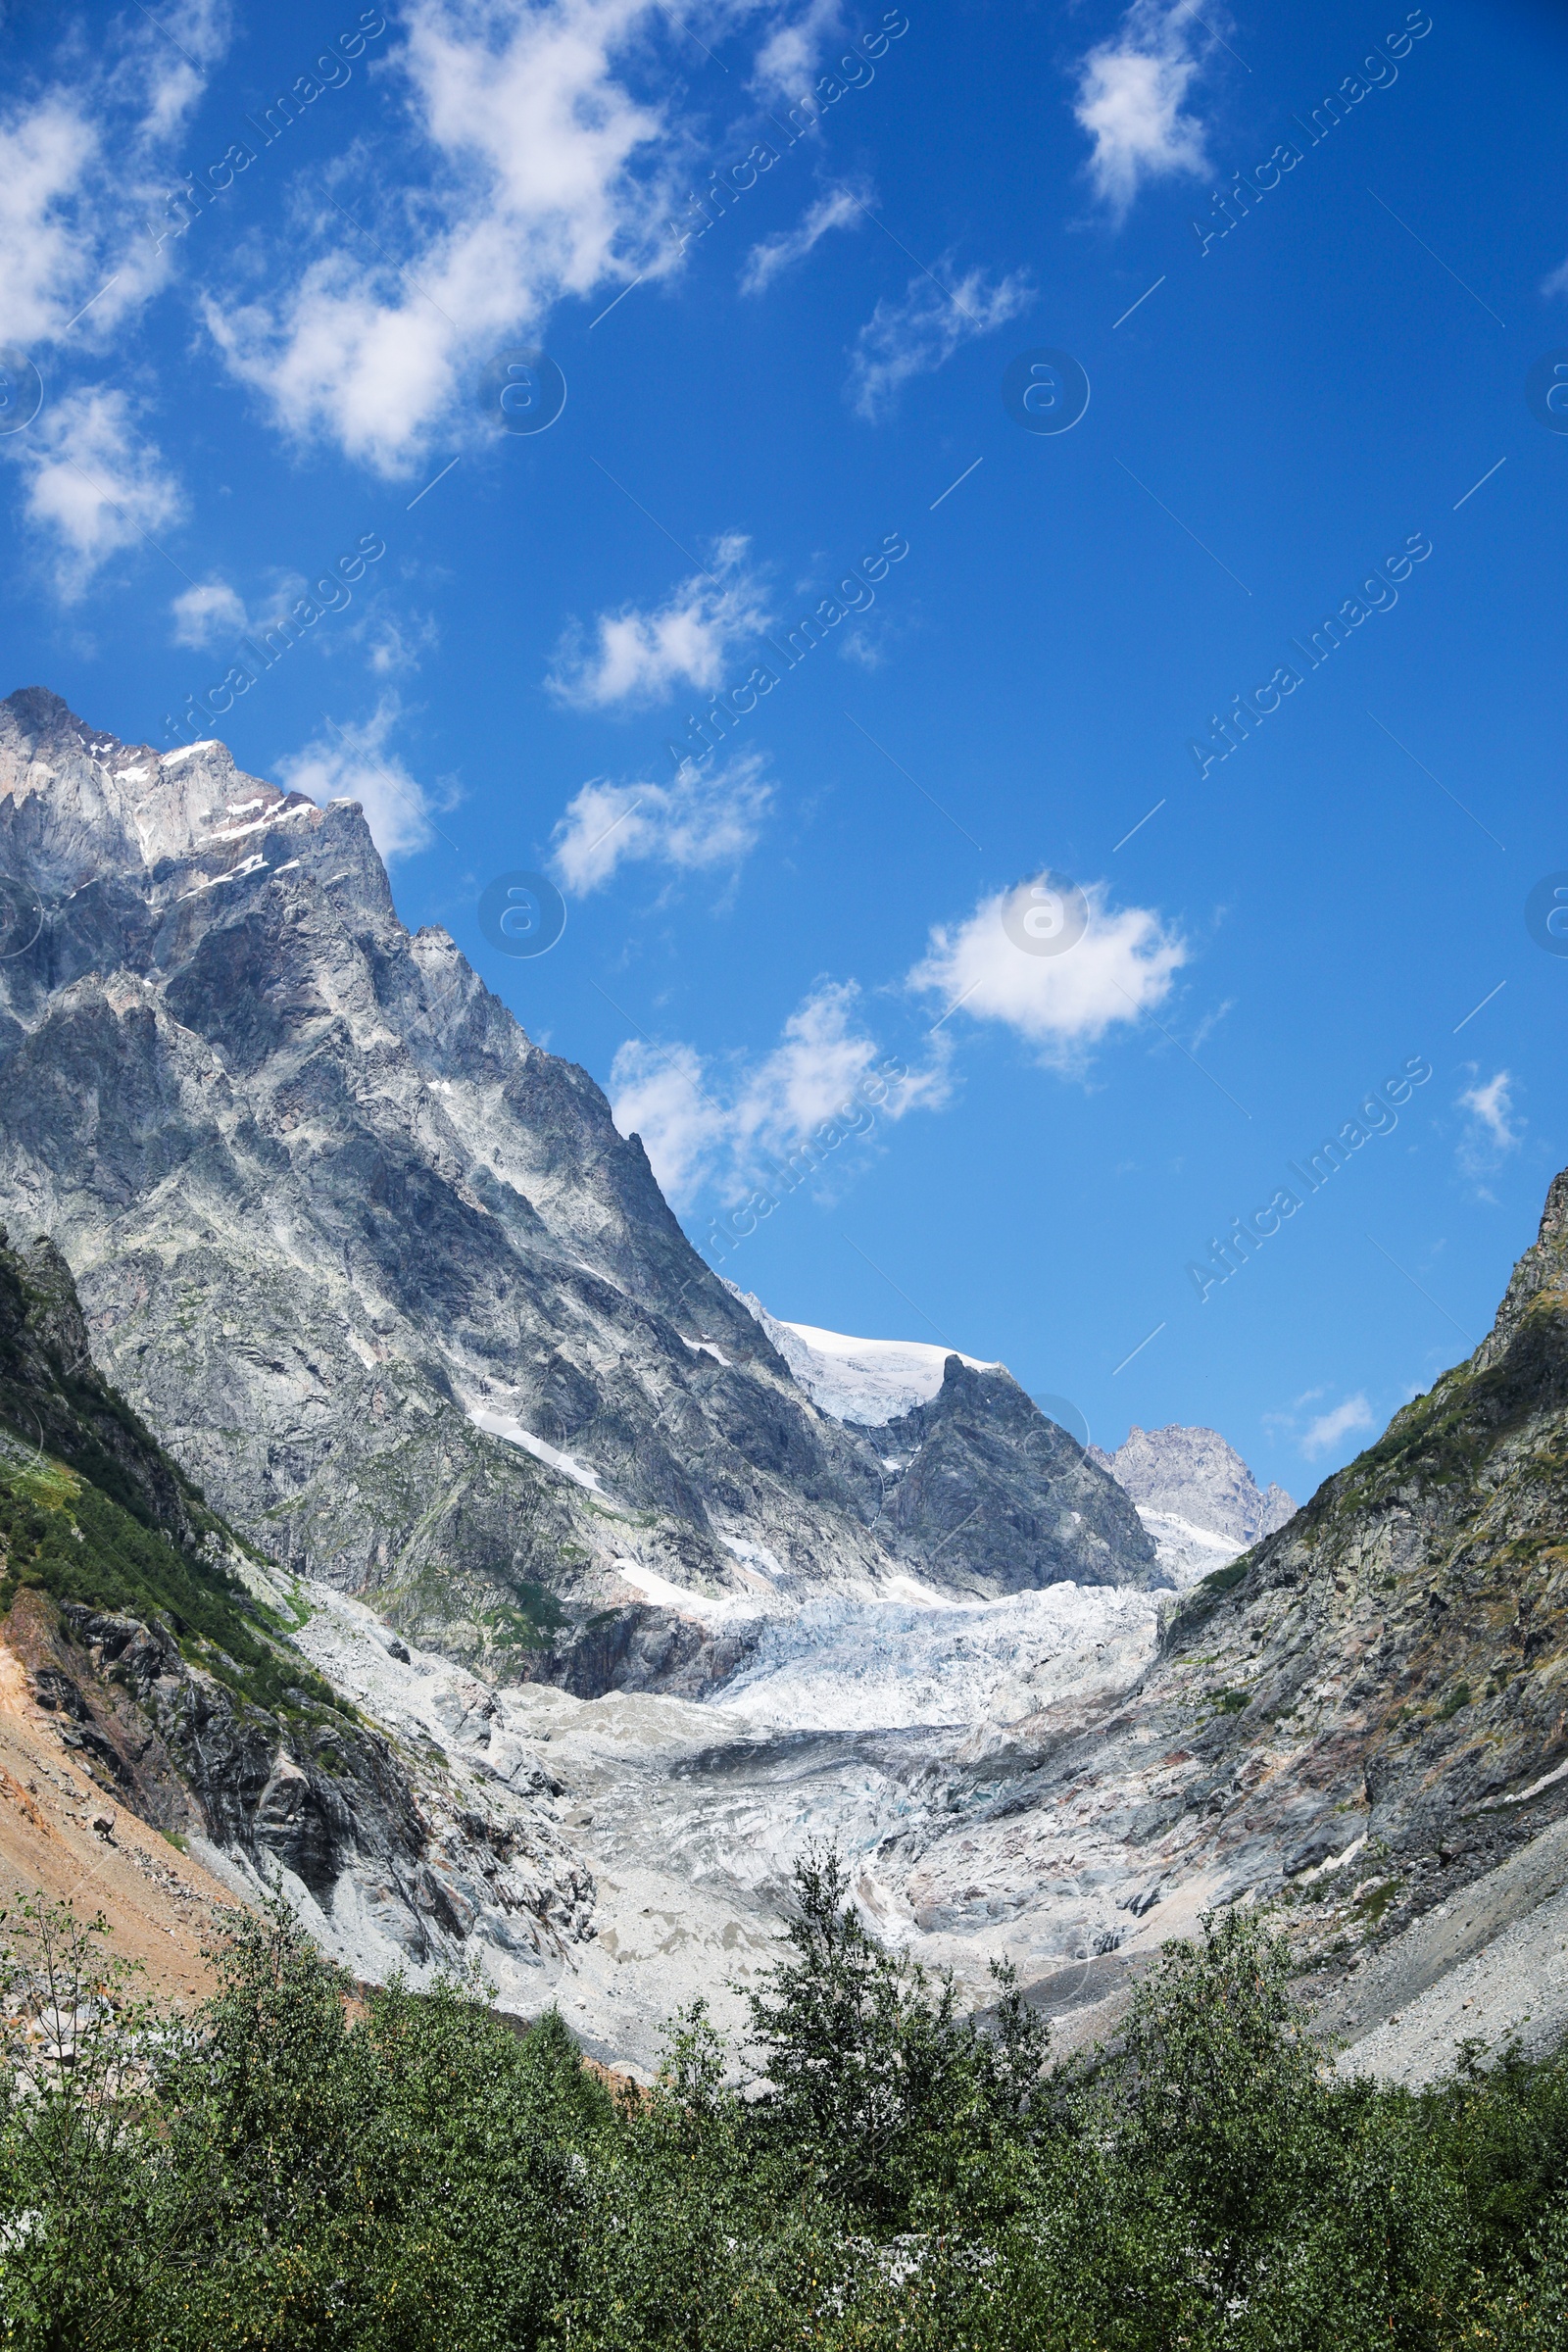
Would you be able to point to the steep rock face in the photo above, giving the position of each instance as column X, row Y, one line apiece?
column 378, row 1270
column 1193, row 1474
column 159, row 1649
column 992, row 1497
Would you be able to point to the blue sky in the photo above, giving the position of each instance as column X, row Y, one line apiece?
column 1315, row 382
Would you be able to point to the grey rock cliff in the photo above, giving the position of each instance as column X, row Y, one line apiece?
column 993, row 1498
column 183, row 1696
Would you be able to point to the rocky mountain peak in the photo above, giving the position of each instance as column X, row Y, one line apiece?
column 1543, row 1268
column 1194, row 1474
column 76, row 790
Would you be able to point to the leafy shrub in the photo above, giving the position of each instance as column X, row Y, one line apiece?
column 302, row 2166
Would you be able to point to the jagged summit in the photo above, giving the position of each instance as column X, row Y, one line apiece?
column 75, row 789
column 1194, row 1474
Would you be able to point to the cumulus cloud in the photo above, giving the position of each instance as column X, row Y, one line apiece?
column 840, row 208
column 1557, row 281
column 657, row 1091
column 693, row 824
column 1331, row 1428
column 640, row 657
column 1118, row 968
column 209, row 613
column 80, row 156
column 548, row 178
column 353, row 764
column 47, row 152
column 725, row 1127
column 1131, row 90
column 920, row 334
column 94, row 484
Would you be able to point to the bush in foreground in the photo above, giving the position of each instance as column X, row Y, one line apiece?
column 295, row 2169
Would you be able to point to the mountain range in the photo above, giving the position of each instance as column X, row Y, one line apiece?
column 385, row 1278
column 397, row 1508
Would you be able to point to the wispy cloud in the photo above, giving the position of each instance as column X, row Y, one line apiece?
column 1120, row 969
column 1492, row 1107
column 1329, row 1429
column 641, row 654
column 919, row 334
column 79, row 153
column 715, row 1126
column 1132, row 92
column 695, row 824
column 353, row 764
column 840, row 208
column 795, row 46
column 1493, row 1127
column 208, row 614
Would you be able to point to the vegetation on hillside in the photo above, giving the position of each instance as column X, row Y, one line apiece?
column 62, row 1536
column 295, row 2168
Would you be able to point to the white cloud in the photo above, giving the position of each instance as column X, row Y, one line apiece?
column 1331, row 1427
column 693, row 824
column 788, row 59
column 1119, row 970
column 93, row 484
column 1489, row 1132
column 46, row 153
column 657, row 1092
column 840, row 208
column 1557, row 281
column 80, row 157
column 1492, row 1107
column 728, row 1127
column 547, row 178
column 641, row 656
column 211, row 614
column 353, row 764
column 394, row 646
column 917, row 335
column 1131, row 93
